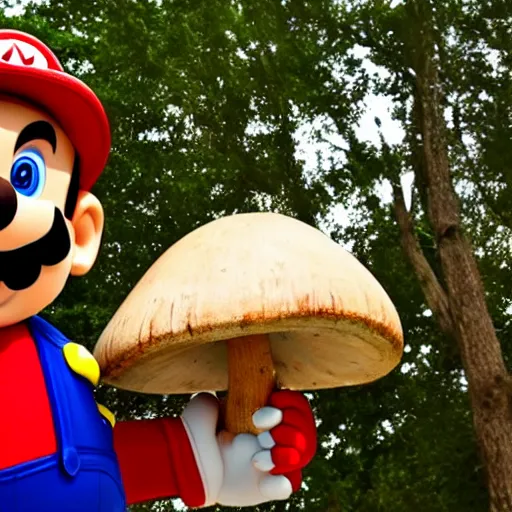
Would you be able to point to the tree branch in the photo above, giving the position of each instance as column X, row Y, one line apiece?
column 435, row 295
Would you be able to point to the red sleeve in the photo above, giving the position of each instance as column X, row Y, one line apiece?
column 157, row 461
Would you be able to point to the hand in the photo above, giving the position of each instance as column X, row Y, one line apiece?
column 246, row 470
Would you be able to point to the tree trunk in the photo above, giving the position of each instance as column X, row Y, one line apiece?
column 489, row 382
column 333, row 503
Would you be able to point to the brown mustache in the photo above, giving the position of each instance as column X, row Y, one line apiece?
column 21, row 267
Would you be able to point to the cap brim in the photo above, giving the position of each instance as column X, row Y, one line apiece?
column 311, row 352
column 73, row 105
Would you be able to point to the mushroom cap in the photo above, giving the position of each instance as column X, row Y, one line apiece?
column 329, row 321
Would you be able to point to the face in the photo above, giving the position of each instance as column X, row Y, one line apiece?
column 39, row 246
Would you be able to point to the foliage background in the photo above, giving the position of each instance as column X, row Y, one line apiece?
column 206, row 99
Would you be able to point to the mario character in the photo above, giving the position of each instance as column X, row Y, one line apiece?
column 62, row 452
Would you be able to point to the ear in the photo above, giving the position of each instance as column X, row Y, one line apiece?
column 87, row 223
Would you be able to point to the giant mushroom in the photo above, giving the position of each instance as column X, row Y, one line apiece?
column 248, row 303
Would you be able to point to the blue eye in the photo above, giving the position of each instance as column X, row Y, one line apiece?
column 28, row 173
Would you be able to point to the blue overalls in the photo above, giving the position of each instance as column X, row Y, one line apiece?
column 83, row 476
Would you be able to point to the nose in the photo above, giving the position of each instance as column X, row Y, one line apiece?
column 8, row 203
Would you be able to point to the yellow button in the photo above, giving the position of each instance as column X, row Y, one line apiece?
column 82, row 362
column 107, row 414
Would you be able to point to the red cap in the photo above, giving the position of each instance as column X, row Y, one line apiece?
column 29, row 70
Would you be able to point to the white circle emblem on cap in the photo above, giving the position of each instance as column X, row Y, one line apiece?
column 20, row 53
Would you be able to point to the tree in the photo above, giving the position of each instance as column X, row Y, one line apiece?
column 490, row 384
column 453, row 287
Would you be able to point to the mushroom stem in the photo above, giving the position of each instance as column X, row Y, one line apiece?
column 251, row 379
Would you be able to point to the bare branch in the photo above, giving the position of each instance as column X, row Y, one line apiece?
column 435, row 295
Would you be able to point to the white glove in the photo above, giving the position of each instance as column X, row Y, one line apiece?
column 234, row 469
